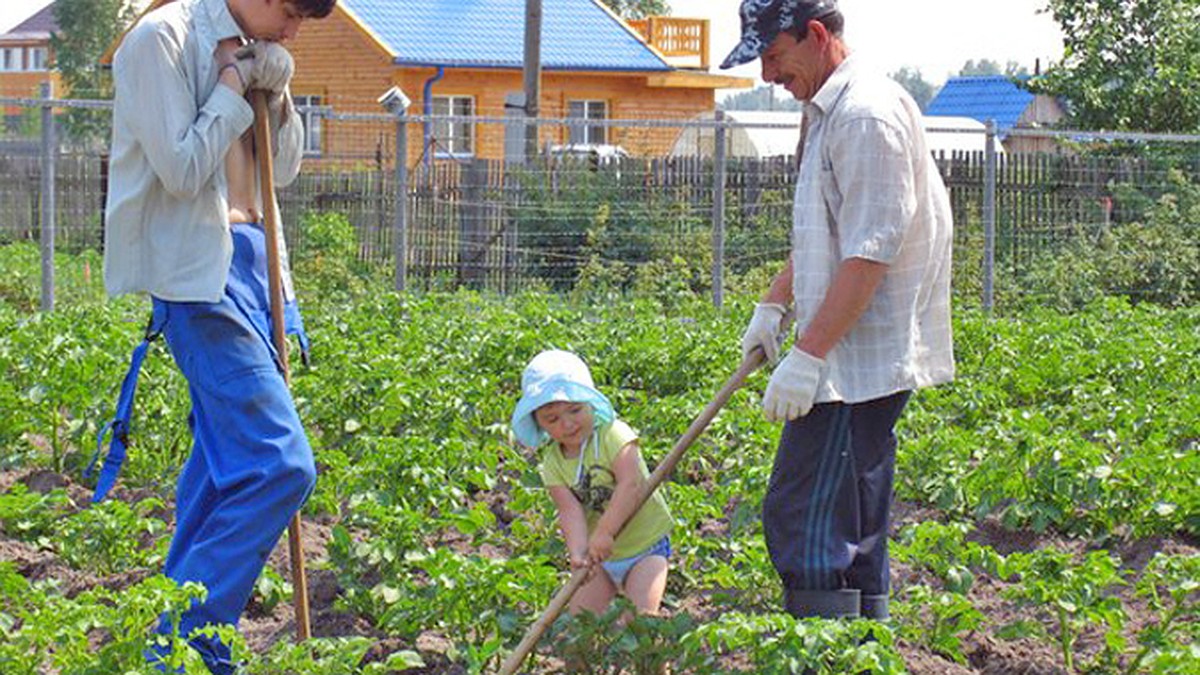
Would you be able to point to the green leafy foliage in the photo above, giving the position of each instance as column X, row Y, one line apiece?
column 113, row 536
column 937, row 619
column 86, row 28
column 31, row 516
column 620, row 641
column 1171, row 644
column 327, row 256
column 1128, row 65
column 778, row 644
column 944, row 551
column 96, row 632
column 1075, row 595
column 1084, row 423
column 638, row 9
column 1153, row 259
column 271, row 589
column 1081, row 423
column 329, row 656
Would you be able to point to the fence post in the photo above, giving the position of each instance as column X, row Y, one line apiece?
column 989, row 216
column 514, row 155
column 718, row 206
column 46, row 220
column 401, row 247
column 471, row 247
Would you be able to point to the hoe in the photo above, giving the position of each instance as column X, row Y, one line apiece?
column 664, row 469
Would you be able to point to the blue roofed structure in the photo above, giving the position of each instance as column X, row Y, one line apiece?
column 576, row 34
column 982, row 97
column 466, row 58
column 999, row 98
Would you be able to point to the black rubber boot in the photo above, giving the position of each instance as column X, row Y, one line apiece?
column 839, row 604
column 875, row 607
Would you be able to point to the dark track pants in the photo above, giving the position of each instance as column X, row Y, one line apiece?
column 251, row 466
column 825, row 515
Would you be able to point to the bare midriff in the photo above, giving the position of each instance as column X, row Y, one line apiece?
column 243, row 184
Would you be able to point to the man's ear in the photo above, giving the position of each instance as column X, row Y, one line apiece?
column 818, row 31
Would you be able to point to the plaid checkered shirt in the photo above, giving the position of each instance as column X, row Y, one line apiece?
column 868, row 188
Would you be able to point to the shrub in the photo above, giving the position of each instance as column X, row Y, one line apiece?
column 1153, row 261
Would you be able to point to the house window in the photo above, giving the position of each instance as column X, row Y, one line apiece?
column 457, row 137
column 587, row 110
column 35, row 58
column 312, row 123
column 10, row 59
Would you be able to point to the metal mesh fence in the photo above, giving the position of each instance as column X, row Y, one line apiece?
column 1055, row 215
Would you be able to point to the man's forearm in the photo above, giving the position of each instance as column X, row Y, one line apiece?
column 780, row 290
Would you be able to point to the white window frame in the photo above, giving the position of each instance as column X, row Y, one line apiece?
column 588, row 109
column 453, row 139
column 37, row 58
column 312, row 124
column 11, row 59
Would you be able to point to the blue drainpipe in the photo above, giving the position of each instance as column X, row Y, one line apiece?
column 441, row 72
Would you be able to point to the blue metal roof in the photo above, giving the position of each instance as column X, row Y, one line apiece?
column 576, row 34
column 981, row 97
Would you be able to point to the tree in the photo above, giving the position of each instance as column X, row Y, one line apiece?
column 983, row 67
column 916, row 86
column 86, row 28
column 989, row 67
column 759, row 98
column 1128, row 64
column 638, row 9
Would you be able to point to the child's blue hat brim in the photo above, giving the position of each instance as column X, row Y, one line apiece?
column 526, row 428
column 552, row 376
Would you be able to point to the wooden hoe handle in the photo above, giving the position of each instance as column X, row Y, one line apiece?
column 266, row 181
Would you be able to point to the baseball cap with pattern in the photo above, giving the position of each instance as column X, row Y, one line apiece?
column 763, row 20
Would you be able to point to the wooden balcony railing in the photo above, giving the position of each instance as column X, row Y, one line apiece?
column 676, row 37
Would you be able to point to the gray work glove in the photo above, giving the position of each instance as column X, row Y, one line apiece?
column 763, row 330
column 793, row 386
column 267, row 66
column 279, row 109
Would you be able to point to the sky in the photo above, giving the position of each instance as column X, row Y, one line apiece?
column 934, row 36
column 13, row 12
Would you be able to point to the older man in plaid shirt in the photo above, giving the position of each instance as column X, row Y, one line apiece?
column 869, row 278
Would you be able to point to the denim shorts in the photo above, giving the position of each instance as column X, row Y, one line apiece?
column 617, row 569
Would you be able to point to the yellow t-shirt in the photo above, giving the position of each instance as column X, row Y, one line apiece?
column 648, row 525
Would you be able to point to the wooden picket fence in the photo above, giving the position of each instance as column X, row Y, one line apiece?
column 470, row 223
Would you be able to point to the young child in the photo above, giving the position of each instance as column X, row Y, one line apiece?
column 593, row 470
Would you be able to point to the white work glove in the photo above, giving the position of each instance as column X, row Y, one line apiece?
column 265, row 65
column 763, row 330
column 793, row 386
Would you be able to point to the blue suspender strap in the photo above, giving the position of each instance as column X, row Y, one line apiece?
column 294, row 325
column 119, row 426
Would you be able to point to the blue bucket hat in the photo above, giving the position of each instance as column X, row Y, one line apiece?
column 555, row 375
column 763, row 20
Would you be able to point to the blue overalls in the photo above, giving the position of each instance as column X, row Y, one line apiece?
column 251, row 467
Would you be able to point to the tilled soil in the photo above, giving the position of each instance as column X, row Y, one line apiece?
column 986, row 655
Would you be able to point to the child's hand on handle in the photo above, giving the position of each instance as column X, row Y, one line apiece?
column 579, row 559
column 599, row 546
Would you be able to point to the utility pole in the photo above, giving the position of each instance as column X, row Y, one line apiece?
column 533, row 74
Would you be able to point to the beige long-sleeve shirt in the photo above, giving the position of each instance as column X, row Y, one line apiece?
column 167, row 227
